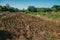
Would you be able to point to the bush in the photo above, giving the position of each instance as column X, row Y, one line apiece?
column 32, row 9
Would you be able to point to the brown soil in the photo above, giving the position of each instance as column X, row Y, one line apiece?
column 21, row 26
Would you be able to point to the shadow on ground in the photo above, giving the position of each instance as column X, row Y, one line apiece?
column 5, row 35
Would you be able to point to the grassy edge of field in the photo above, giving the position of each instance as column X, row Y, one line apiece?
column 52, row 15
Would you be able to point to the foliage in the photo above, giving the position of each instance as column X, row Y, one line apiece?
column 44, row 9
column 41, row 9
column 32, row 9
column 7, row 7
column 56, row 8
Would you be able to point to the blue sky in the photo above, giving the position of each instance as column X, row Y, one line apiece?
column 25, row 3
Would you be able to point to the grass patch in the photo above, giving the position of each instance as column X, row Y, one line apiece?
column 54, row 15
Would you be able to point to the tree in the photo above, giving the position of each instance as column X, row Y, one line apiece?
column 32, row 9
column 48, row 10
column 7, row 7
column 56, row 8
column 41, row 9
column 0, row 7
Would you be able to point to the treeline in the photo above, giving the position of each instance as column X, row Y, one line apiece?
column 7, row 7
column 55, row 8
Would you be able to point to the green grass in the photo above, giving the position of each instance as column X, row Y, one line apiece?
column 53, row 15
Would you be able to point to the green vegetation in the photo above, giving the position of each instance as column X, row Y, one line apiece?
column 53, row 12
column 32, row 9
column 55, row 8
column 7, row 7
column 54, row 15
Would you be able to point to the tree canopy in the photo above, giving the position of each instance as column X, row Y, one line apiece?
column 7, row 7
column 32, row 9
column 56, row 8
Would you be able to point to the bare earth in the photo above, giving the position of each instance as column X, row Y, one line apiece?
column 21, row 26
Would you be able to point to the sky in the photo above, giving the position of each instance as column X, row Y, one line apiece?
column 23, row 4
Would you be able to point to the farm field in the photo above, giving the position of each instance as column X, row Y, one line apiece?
column 29, row 19
column 20, row 26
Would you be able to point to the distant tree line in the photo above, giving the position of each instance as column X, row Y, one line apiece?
column 7, row 7
column 55, row 8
